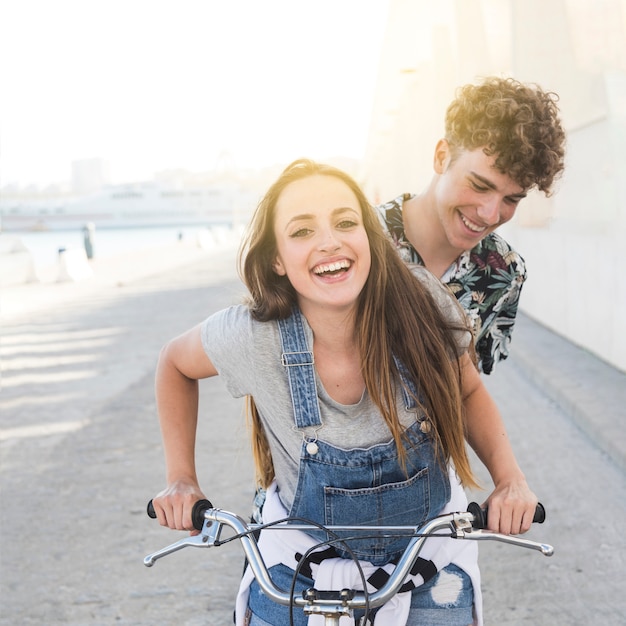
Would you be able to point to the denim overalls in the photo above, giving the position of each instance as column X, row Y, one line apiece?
column 355, row 487
column 359, row 486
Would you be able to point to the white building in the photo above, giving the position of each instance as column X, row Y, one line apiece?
column 576, row 48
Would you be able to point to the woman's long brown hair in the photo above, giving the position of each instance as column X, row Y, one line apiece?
column 396, row 316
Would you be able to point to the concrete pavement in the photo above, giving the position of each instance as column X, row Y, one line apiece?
column 80, row 450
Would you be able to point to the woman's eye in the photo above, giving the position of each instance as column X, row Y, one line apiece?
column 346, row 224
column 301, row 232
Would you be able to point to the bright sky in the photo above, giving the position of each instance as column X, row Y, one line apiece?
column 158, row 84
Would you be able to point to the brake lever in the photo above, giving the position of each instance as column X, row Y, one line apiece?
column 463, row 529
column 207, row 538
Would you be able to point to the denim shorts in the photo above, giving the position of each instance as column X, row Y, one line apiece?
column 446, row 600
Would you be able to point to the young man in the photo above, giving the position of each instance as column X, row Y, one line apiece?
column 502, row 138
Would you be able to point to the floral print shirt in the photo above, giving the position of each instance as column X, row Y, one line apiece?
column 486, row 280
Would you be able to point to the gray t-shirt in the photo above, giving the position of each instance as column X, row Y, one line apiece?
column 247, row 355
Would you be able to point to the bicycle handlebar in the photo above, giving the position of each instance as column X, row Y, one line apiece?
column 479, row 514
column 462, row 525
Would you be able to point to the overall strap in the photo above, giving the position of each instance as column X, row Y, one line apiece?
column 409, row 389
column 298, row 360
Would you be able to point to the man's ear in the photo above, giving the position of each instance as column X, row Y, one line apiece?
column 442, row 157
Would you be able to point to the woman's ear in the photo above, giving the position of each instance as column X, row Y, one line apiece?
column 278, row 267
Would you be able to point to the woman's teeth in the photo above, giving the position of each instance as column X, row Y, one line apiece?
column 332, row 267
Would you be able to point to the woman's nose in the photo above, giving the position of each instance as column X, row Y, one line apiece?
column 329, row 240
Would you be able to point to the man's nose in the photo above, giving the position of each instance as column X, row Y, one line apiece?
column 489, row 210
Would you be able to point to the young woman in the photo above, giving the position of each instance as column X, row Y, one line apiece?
column 361, row 391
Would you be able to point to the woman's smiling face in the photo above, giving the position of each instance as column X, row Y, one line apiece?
column 321, row 242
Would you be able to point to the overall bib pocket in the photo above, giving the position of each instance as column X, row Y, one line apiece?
column 382, row 505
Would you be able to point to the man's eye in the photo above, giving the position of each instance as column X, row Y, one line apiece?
column 478, row 187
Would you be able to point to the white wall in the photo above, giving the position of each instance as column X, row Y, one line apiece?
column 576, row 48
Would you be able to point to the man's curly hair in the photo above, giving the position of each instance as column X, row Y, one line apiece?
column 518, row 123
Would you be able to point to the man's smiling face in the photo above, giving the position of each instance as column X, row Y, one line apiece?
column 473, row 198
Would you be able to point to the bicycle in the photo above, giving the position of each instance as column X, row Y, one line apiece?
column 466, row 525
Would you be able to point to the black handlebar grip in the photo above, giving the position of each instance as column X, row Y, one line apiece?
column 197, row 513
column 540, row 514
column 480, row 515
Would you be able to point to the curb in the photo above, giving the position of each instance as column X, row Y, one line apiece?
column 588, row 389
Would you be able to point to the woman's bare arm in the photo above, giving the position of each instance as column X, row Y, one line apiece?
column 512, row 503
column 182, row 362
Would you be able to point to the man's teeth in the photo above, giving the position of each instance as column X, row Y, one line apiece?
column 332, row 267
column 471, row 225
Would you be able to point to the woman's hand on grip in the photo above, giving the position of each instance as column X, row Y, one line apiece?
column 173, row 505
column 511, row 507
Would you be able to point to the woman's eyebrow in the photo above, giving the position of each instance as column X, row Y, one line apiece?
column 345, row 209
column 303, row 216
column 311, row 216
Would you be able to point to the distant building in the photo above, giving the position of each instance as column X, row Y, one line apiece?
column 203, row 202
column 89, row 175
